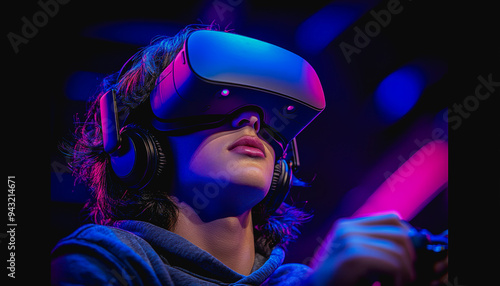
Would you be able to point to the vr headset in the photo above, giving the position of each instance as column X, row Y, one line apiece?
column 215, row 76
column 218, row 73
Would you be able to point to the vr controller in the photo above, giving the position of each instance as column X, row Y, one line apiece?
column 429, row 249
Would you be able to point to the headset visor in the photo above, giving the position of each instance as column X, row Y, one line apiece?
column 217, row 73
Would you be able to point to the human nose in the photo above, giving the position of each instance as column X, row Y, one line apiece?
column 247, row 118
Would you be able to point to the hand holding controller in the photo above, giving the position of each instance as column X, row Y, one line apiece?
column 432, row 256
column 379, row 248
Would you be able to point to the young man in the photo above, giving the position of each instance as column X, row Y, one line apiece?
column 190, row 191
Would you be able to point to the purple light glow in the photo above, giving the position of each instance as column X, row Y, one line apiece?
column 412, row 185
column 224, row 92
column 321, row 28
column 399, row 92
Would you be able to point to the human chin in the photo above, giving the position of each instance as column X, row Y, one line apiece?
column 246, row 171
column 230, row 185
column 215, row 161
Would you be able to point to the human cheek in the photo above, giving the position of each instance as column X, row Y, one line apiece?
column 210, row 157
column 270, row 151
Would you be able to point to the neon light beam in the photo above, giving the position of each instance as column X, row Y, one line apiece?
column 413, row 185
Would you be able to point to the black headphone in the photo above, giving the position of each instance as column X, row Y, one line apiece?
column 137, row 157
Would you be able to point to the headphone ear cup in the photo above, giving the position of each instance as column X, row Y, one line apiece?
column 161, row 160
column 280, row 186
column 277, row 177
column 139, row 159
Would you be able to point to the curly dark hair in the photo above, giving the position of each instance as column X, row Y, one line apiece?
column 111, row 201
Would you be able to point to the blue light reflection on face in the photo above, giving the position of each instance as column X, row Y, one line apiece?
column 399, row 92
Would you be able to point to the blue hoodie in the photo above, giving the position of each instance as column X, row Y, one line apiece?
column 140, row 253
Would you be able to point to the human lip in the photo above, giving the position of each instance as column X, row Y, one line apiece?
column 248, row 145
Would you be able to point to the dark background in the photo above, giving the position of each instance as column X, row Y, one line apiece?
column 348, row 147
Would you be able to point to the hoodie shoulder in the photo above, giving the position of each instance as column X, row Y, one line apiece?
column 290, row 274
column 104, row 253
column 111, row 238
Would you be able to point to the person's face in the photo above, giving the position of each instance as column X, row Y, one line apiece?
column 224, row 171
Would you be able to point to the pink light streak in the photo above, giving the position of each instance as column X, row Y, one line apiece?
column 414, row 184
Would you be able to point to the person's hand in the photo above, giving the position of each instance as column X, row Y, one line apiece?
column 361, row 251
